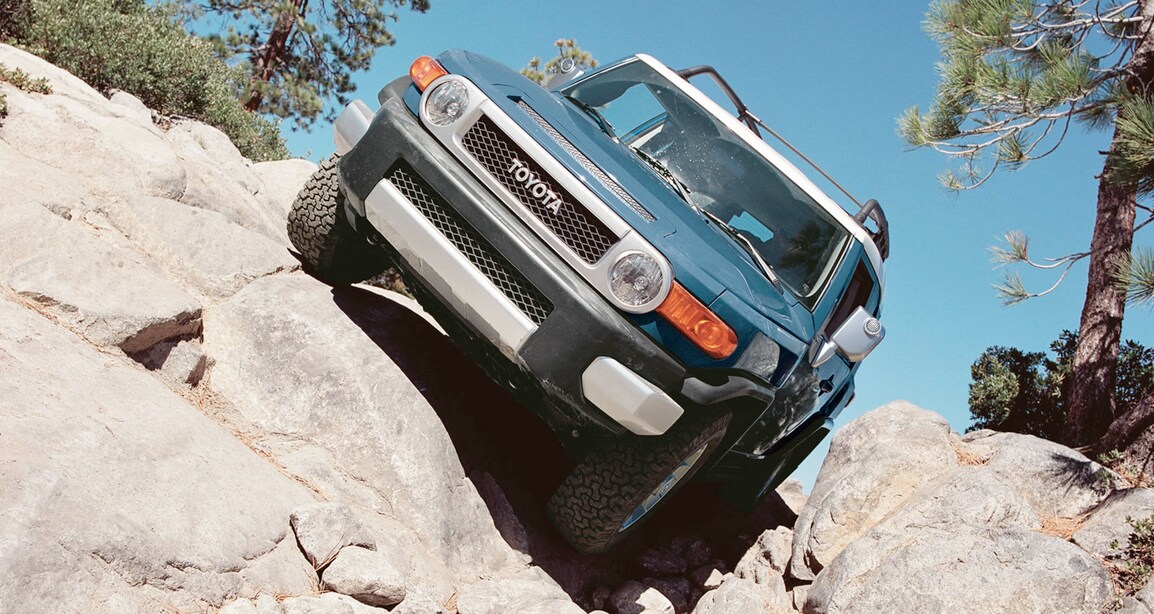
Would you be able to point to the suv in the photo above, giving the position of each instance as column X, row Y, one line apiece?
column 672, row 296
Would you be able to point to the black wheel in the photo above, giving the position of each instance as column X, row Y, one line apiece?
column 331, row 249
column 619, row 484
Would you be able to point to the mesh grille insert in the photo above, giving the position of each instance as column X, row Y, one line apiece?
column 568, row 219
column 535, row 305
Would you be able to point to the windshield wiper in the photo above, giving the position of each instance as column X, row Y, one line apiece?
column 743, row 241
column 665, row 173
column 592, row 111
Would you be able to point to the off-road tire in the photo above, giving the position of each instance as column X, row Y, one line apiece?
column 592, row 504
column 330, row 248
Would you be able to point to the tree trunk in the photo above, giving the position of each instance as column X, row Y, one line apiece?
column 273, row 52
column 1094, row 374
column 1132, row 434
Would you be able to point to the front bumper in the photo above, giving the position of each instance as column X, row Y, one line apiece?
column 497, row 278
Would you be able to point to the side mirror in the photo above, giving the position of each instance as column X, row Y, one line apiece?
column 855, row 338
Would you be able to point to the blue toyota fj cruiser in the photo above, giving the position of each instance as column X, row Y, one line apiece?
column 669, row 293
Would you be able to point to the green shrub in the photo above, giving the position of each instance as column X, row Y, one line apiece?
column 14, row 18
column 1025, row 392
column 141, row 49
column 22, row 80
column 1135, row 565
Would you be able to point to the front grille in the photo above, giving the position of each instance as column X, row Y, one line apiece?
column 586, row 163
column 571, row 222
column 535, row 305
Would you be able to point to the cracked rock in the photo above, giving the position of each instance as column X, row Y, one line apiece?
column 371, row 577
column 211, row 253
column 115, row 485
column 111, row 296
column 322, row 529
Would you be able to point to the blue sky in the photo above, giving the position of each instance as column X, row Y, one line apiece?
column 832, row 77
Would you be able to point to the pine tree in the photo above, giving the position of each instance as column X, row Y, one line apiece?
column 567, row 49
column 297, row 53
column 1015, row 75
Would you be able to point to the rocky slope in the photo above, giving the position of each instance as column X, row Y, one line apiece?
column 188, row 422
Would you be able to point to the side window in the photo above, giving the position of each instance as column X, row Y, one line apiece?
column 857, row 294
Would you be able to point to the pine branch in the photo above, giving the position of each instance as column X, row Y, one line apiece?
column 1012, row 291
column 1001, row 129
column 1135, row 276
column 1016, row 73
column 1017, row 250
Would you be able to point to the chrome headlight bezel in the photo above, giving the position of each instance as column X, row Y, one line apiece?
column 446, row 103
column 638, row 281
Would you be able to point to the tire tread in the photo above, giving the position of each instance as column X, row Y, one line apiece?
column 601, row 492
column 330, row 248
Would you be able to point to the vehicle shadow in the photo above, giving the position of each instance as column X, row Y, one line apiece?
column 516, row 462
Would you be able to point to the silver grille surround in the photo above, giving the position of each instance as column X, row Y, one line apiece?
column 598, row 274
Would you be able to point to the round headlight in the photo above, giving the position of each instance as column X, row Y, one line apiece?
column 446, row 103
column 636, row 279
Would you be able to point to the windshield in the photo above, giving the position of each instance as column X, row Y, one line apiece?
column 718, row 172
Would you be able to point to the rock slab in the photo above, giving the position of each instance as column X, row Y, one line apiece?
column 92, row 506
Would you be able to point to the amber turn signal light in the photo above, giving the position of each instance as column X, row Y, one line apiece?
column 425, row 70
column 698, row 323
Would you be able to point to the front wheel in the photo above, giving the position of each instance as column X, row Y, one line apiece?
column 621, row 483
column 329, row 246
